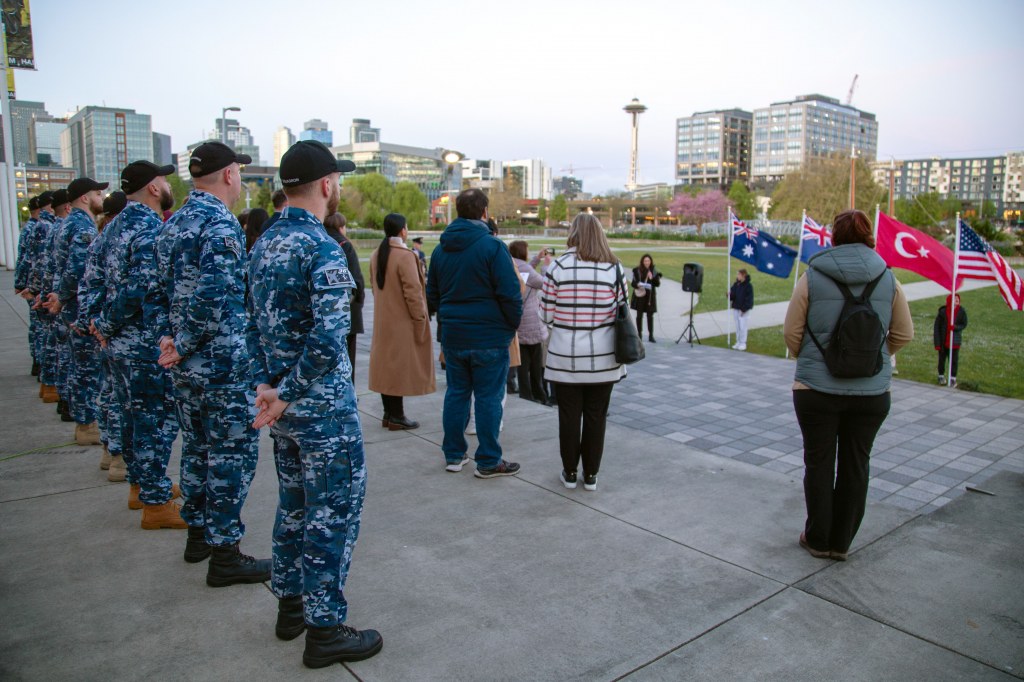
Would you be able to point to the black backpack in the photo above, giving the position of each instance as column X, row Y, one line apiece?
column 855, row 348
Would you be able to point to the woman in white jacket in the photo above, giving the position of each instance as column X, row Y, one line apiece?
column 582, row 290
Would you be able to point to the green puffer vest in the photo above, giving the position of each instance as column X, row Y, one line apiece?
column 855, row 265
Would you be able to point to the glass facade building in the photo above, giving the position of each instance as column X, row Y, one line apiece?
column 398, row 163
column 100, row 141
column 316, row 129
column 713, row 148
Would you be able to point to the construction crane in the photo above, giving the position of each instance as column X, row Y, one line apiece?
column 853, row 85
column 572, row 169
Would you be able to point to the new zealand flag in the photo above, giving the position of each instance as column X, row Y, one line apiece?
column 761, row 250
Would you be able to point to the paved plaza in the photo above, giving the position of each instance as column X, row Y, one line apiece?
column 683, row 565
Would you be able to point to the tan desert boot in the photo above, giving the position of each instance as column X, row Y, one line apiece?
column 166, row 515
column 133, row 496
column 87, row 434
column 118, row 471
column 105, row 459
column 50, row 394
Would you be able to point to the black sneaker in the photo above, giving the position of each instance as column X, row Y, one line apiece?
column 325, row 646
column 228, row 566
column 503, row 469
column 590, row 482
column 568, row 480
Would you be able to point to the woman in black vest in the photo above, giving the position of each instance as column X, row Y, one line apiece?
column 644, row 299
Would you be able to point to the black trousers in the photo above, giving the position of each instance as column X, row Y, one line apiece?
column 838, row 432
column 393, row 405
column 586, row 405
column 531, row 372
column 350, row 342
column 640, row 322
column 943, row 357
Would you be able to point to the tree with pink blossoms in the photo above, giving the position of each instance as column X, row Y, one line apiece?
column 704, row 207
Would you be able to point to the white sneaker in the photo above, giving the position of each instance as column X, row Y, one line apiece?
column 952, row 382
column 735, row 346
column 741, row 347
column 457, row 467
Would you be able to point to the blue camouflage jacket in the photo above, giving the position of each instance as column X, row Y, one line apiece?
column 129, row 263
column 299, row 303
column 199, row 299
column 76, row 234
column 92, row 290
column 21, row 265
column 37, row 255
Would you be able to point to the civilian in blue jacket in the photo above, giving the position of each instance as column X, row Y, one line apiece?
column 474, row 287
column 741, row 297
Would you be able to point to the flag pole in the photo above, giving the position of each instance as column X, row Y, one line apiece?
column 728, row 279
column 796, row 265
column 951, row 309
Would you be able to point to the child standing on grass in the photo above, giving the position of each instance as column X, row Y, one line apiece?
column 940, row 334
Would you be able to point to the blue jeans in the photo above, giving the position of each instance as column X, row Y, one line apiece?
column 480, row 373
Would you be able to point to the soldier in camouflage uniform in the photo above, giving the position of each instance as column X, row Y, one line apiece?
column 53, row 335
column 301, row 288
column 91, row 296
column 72, row 245
column 199, row 311
column 21, row 269
column 34, row 276
column 139, row 382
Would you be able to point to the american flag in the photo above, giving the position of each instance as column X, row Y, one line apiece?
column 975, row 259
column 739, row 227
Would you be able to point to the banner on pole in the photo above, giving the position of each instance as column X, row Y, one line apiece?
column 18, row 30
column 10, row 84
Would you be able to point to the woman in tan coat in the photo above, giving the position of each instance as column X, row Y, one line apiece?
column 400, row 353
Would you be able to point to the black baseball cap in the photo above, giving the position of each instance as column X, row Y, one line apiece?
column 210, row 157
column 308, row 161
column 114, row 203
column 81, row 186
column 138, row 174
column 417, row 240
column 33, row 204
column 60, row 197
column 45, row 199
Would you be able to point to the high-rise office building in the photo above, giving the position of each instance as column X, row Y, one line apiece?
column 161, row 149
column 713, row 147
column 315, row 129
column 480, row 174
column 568, row 185
column 971, row 180
column 23, row 113
column 533, row 176
column 238, row 138
column 100, row 141
column 360, row 131
column 44, row 141
column 283, row 140
column 789, row 134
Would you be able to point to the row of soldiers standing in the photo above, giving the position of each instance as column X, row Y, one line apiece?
column 151, row 326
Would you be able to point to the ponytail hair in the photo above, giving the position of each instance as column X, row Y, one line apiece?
column 394, row 223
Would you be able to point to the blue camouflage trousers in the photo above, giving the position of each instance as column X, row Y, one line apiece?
column 33, row 330
column 219, row 449
column 321, row 472
column 47, row 349
column 148, row 427
column 83, row 377
column 62, row 358
column 109, row 412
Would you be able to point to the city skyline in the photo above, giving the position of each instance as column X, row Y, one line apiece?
column 547, row 81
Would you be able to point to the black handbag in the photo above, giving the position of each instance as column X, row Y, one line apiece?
column 629, row 347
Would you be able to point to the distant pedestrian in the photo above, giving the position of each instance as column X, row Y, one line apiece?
column 839, row 417
column 280, row 201
column 940, row 335
column 253, row 225
column 741, row 300
column 644, row 300
column 400, row 355
column 582, row 291
column 417, row 248
column 335, row 226
column 532, row 331
column 474, row 287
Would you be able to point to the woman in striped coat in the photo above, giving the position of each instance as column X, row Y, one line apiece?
column 582, row 290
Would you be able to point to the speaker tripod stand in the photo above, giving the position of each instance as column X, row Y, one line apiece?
column 690, row 332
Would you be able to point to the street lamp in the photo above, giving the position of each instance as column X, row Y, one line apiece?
column 224, row 123
column 451, row 157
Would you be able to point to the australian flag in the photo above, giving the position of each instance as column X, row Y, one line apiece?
column 760, row 249
column 815, row 238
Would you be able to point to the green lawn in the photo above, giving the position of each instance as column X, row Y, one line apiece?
column 990, row 359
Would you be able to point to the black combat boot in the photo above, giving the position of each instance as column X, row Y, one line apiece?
column 196, row 548
column 229, row 566
column 325, row 646
column 35, row 368
column 290, row 623
column 65, row 411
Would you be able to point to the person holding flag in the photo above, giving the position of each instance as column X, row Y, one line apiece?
column 948, row 344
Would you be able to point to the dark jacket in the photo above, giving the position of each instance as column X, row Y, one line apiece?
column 474, row 287
column 940, row 331
column 274, row 217
column 741, row 295
column 359, row 294
column 649, row 302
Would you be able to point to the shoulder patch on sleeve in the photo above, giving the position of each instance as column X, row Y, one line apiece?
column 338, row 277
column 232, row 244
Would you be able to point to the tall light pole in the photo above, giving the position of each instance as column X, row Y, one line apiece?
column 451, row 158
column 634, row 109
column 224, row 123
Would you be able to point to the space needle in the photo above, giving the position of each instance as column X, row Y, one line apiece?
column 634, row 109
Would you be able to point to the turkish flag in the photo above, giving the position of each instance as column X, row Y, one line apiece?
column 901, row 246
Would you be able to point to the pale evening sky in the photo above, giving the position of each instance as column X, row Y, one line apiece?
column 534, row 79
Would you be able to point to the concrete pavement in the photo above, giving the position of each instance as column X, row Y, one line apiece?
column 683, row 565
